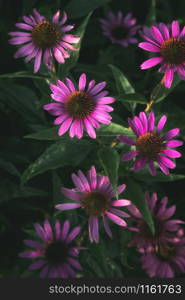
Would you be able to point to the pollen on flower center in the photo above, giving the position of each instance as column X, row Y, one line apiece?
column 95, row 203
column 173, row 51
column 165, row 251
column 149, row 145
column 79, row 105
column 46, row 34
column 56, row 252
column 119, row 32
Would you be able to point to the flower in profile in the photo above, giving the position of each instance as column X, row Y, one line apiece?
column 165, row 260
column 44, row 39
column 166, row 229
column 169, row 44
column 56, row 254
column 80, row 108
column 151, row 145
column 120, row 29
column 94, row 194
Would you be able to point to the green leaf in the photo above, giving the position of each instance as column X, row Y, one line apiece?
column 52, row 135
column 80, row 8
column 9, row 167
column 113, row 130
column 21, row 99
column 59, row 154
column 136, row 98
column 160, row 92
column 160, row 177
column 151, row 16
column 109, row 159
column 21, row 74
column 135, row 194
column 71, row 62
column 123, row 86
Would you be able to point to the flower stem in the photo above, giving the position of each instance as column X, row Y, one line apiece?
column 154, row 95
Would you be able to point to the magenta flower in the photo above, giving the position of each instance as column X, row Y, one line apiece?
column 57, row 253
column 120, row 29
column 94, row 194
column 81, row 108
column 169, row 44
column 151, row 145
column 166, row 229
column 44, row 39
column 166, row 260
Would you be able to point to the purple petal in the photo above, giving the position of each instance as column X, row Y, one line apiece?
column 48, row 230
column 171, row 153
column 65, row 126
column 161, row 124
column 73, row 234
column 122, row 202
column 168, row 77
column 151, row 62
column 71, row 194
column 97, row 88
column 152, row 168
column 121, row 188
column 37, row 264
column 57, row 230
column 126, row 140
column 171, row 133
column 37, row 61
column 24, row 26
column 167, row 162
column 65, row 230
column 139, row 164
column 19, row 40
column 149, row 47
column 59, row 56
column 30, row 254
column 107, row 227
column 143, row 119
column 175, row 29
column 174, row 143
column 89, row 128
column 70, row 85
column 74, row 263
column 157, row 34
column 69, row 38
column 84, row 181
column 95, row 229
column 151, row 121
column 44, row 272
column 116, row 219
column 33, row 244
column 40, row 231
column 56, row 17
column 82, row 82
column 67, row 206
column 92, row 177
column 129, row 155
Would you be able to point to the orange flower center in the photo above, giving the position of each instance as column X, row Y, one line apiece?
column 95, row 203
column 173, row 51
column 56, row 252
column 165, row 251
column 149, row 145
column 79, row 105
column 46, row 35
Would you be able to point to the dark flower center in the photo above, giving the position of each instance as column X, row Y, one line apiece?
column 165, row 251
column 119, row 32
column 56, row 252
column 173, row 51
column 147, row 233
column 46, row 35
column 149, row 145
column 79, row 105
column 95, row 203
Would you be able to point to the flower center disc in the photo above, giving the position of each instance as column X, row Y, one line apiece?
column 46, row 35
column 119, row 32
column 165, row 252
column 173, row 51
column 146, row 231
column 79, row 105
column 149, row 145
column 56, row 252
column 95, row 203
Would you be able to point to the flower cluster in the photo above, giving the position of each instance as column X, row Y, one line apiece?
column 162, row 250
column 81, row 108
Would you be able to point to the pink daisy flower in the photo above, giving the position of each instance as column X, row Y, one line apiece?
column 80, row 108
column 166, row 229
column 94, row 194
column 56, row 254
column 151, row 145
column 169, row 44
column 166, row 260
column 43, row 39
column 120, row 29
